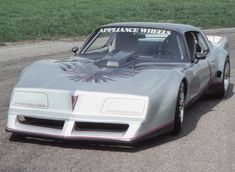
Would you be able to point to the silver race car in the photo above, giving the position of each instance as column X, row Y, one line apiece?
column 128, row 82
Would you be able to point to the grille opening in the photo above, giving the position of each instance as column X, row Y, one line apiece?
column 103, row 127
column 48, row 123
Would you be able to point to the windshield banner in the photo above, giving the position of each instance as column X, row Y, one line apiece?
column 136, row 30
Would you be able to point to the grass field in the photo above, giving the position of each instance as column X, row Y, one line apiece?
column 46, row 19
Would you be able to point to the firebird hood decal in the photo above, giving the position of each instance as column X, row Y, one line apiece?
column 89, row 72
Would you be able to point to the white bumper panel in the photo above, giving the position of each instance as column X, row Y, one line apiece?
column 68, row 130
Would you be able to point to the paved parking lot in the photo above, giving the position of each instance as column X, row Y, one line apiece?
column 207, row 142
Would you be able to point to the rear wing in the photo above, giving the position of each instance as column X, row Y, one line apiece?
column 219, row 41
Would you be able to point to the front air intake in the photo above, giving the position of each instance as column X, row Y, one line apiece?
column 39, row 122
column 102, row 127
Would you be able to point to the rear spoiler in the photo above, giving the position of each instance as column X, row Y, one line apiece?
column 219, row 41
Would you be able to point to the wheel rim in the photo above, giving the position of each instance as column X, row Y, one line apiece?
column 181, row 104
column 226, row 76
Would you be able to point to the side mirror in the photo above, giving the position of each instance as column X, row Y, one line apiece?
column 74, row 50
column 200, row 56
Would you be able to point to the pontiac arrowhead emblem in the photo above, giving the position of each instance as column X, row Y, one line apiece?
column 74, row 101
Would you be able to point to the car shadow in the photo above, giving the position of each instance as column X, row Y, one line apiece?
column 192, row 115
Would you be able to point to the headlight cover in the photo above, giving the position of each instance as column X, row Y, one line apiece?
column 30, row 99
column 124, row 106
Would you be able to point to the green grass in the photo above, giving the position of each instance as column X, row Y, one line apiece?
column 31, row 19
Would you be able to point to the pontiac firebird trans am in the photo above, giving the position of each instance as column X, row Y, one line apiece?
column 128, row 82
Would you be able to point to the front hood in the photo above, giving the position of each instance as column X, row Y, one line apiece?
column 83, row 74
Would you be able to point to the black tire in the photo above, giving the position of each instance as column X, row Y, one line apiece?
column 222, row 89
column 179, row 111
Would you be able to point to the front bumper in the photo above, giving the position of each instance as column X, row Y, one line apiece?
column 134, row 132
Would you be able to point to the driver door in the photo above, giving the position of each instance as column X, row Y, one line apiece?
column 200, row 69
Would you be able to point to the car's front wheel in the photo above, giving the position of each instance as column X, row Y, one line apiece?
column 179, row 111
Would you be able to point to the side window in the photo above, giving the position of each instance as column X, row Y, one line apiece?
column 201, row 43
column 99, row 43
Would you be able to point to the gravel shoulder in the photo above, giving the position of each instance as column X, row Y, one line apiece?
column 30, row 49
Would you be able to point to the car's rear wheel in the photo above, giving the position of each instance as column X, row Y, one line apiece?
column 224, row 86
column 179, row 111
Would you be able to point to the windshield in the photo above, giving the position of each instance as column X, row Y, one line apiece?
column 145, row 43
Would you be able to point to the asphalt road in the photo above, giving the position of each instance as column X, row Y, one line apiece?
column 207, row 142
